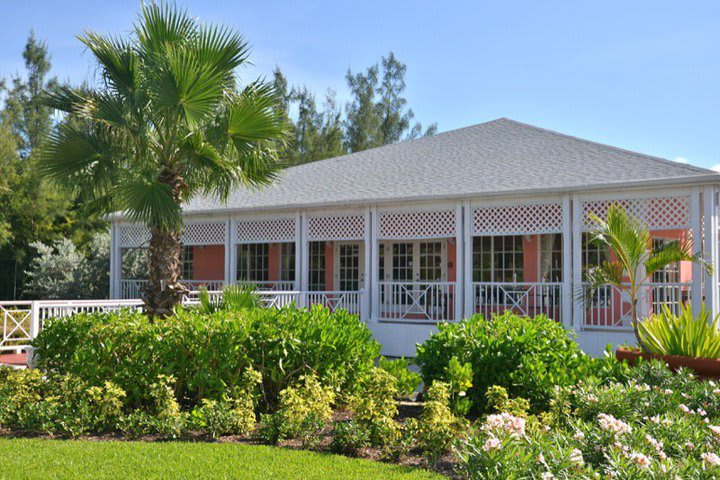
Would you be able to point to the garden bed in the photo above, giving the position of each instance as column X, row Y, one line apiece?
column 703, row 367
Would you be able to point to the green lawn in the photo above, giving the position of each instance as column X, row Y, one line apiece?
column 34, row 458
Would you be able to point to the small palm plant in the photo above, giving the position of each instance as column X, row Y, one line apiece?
column 233, row 297
column 635, row 262
column 665, row 333
column 168, row 121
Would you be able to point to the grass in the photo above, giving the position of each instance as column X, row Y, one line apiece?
column 29, row 458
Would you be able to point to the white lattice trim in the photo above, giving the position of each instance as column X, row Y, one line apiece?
column 133, row 235
column 336, row 227
column 417, row 224
column 205, row 233
column 659, row 213
column 518, row 219
column 265, row 230
column 199, row 233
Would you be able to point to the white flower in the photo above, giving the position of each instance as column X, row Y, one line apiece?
column 701, row 412
column 715, row 430
column 547, row 476
column 685, row 408
column 540, row 458
column 592, row 398
column 511, row 424
column 667, row 391
column 608, row 422
column 710, row 459
column 576, row 457
column 492, row 444
column 578, row 435
column 655, row 419
column 657, row 444
column 716, row 391
column 640, row 459
column 690, row 446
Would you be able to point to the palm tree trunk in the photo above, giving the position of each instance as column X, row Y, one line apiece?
column 636, row 330
column 164, row 291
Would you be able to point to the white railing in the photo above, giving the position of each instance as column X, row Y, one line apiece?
column 530, row 299
column 271, row 285
column 133, row 288
column 21, row 321
column 608, row 307
column 417, row 301
column 336, row 300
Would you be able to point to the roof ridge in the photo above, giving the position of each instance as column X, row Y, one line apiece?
column 612, row 147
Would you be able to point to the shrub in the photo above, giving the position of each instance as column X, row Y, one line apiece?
column 665, row 333
column 349, row 437
column 303, row 411
column 374, row 406
column 438, row 427
column 406, row 381
column 207, row 354
column 526, row 356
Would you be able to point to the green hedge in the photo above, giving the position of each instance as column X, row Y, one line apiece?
column 207, row 355
column 527, row 356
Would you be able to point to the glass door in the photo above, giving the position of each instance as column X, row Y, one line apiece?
column 349, row 269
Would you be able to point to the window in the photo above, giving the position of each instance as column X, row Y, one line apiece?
column 349, row 268
column 287, row 262
column 551, row 258
column 593, row 254
column 252, row 262
column 186, row 261
column 670, row 273
column 316, row 271
column 498, row 259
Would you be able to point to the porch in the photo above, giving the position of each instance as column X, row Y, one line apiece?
column 404, row 268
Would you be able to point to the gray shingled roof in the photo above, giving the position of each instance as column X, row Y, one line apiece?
column 493, row 158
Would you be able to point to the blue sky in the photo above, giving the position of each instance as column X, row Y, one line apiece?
column 642, row 75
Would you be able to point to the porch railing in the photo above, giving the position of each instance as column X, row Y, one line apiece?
column 522, row 298
column 133, row 288
column 336, row 300
column 22, row 320
column 417, row 301
column 609, row 308
column 271, row 285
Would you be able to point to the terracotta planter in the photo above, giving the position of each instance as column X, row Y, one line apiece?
column 704, row 367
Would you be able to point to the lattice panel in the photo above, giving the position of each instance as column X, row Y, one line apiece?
column 518, row 219
column 209, row 233
column 424, row 224
column 657, row 213
column 338, row 227
column 265, row 230
column 133, row 235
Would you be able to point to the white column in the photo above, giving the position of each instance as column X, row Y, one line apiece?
column 696, row 225
column 298, row 252
column 710, row 249
column 232, row 252
column 469, row 296
column 227, row 277
column 459, row 263
column 367, row 286
column 374, row 267
column 115, row 264
column 304, row 254
column 576, row 292
column 567, row 261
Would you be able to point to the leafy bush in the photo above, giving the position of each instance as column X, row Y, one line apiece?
column 208, row 354
column 304, row 410
column 526, row 356
column 349, row 437
column 374, row 406
column 438, row 427
column 665, row 333
column 406, row 381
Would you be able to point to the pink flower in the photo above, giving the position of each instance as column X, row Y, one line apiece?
column 511, row 424
column 608, row 422
column 715, row 430
column 685, row 408
column 710, row 459
column 576, row 457
column 640, row 459
column 492, row 443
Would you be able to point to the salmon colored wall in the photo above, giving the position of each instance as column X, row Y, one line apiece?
column 274, row 261
column 685, row 267
column 208, row 262
column 329, row 265
column 531, row 253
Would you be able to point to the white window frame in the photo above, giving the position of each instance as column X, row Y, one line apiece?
column 389, row 263
column 336, row 263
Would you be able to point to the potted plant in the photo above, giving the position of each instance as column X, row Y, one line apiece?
column 631, row 269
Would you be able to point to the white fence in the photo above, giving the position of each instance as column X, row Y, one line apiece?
column 420, row 302
column 522, row 298
column 609, row 308
column 22, row 320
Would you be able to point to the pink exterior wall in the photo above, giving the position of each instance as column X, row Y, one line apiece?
column 531, row 254
column 208, row 262
column 274, row 262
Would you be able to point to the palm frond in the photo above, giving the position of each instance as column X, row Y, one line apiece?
column 148, row 201
column 118, row 61
column 162, row 25
column 672, row 252
column 221, row 48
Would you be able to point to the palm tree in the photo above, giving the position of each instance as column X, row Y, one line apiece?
column 167, row 122
column 634, row 261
